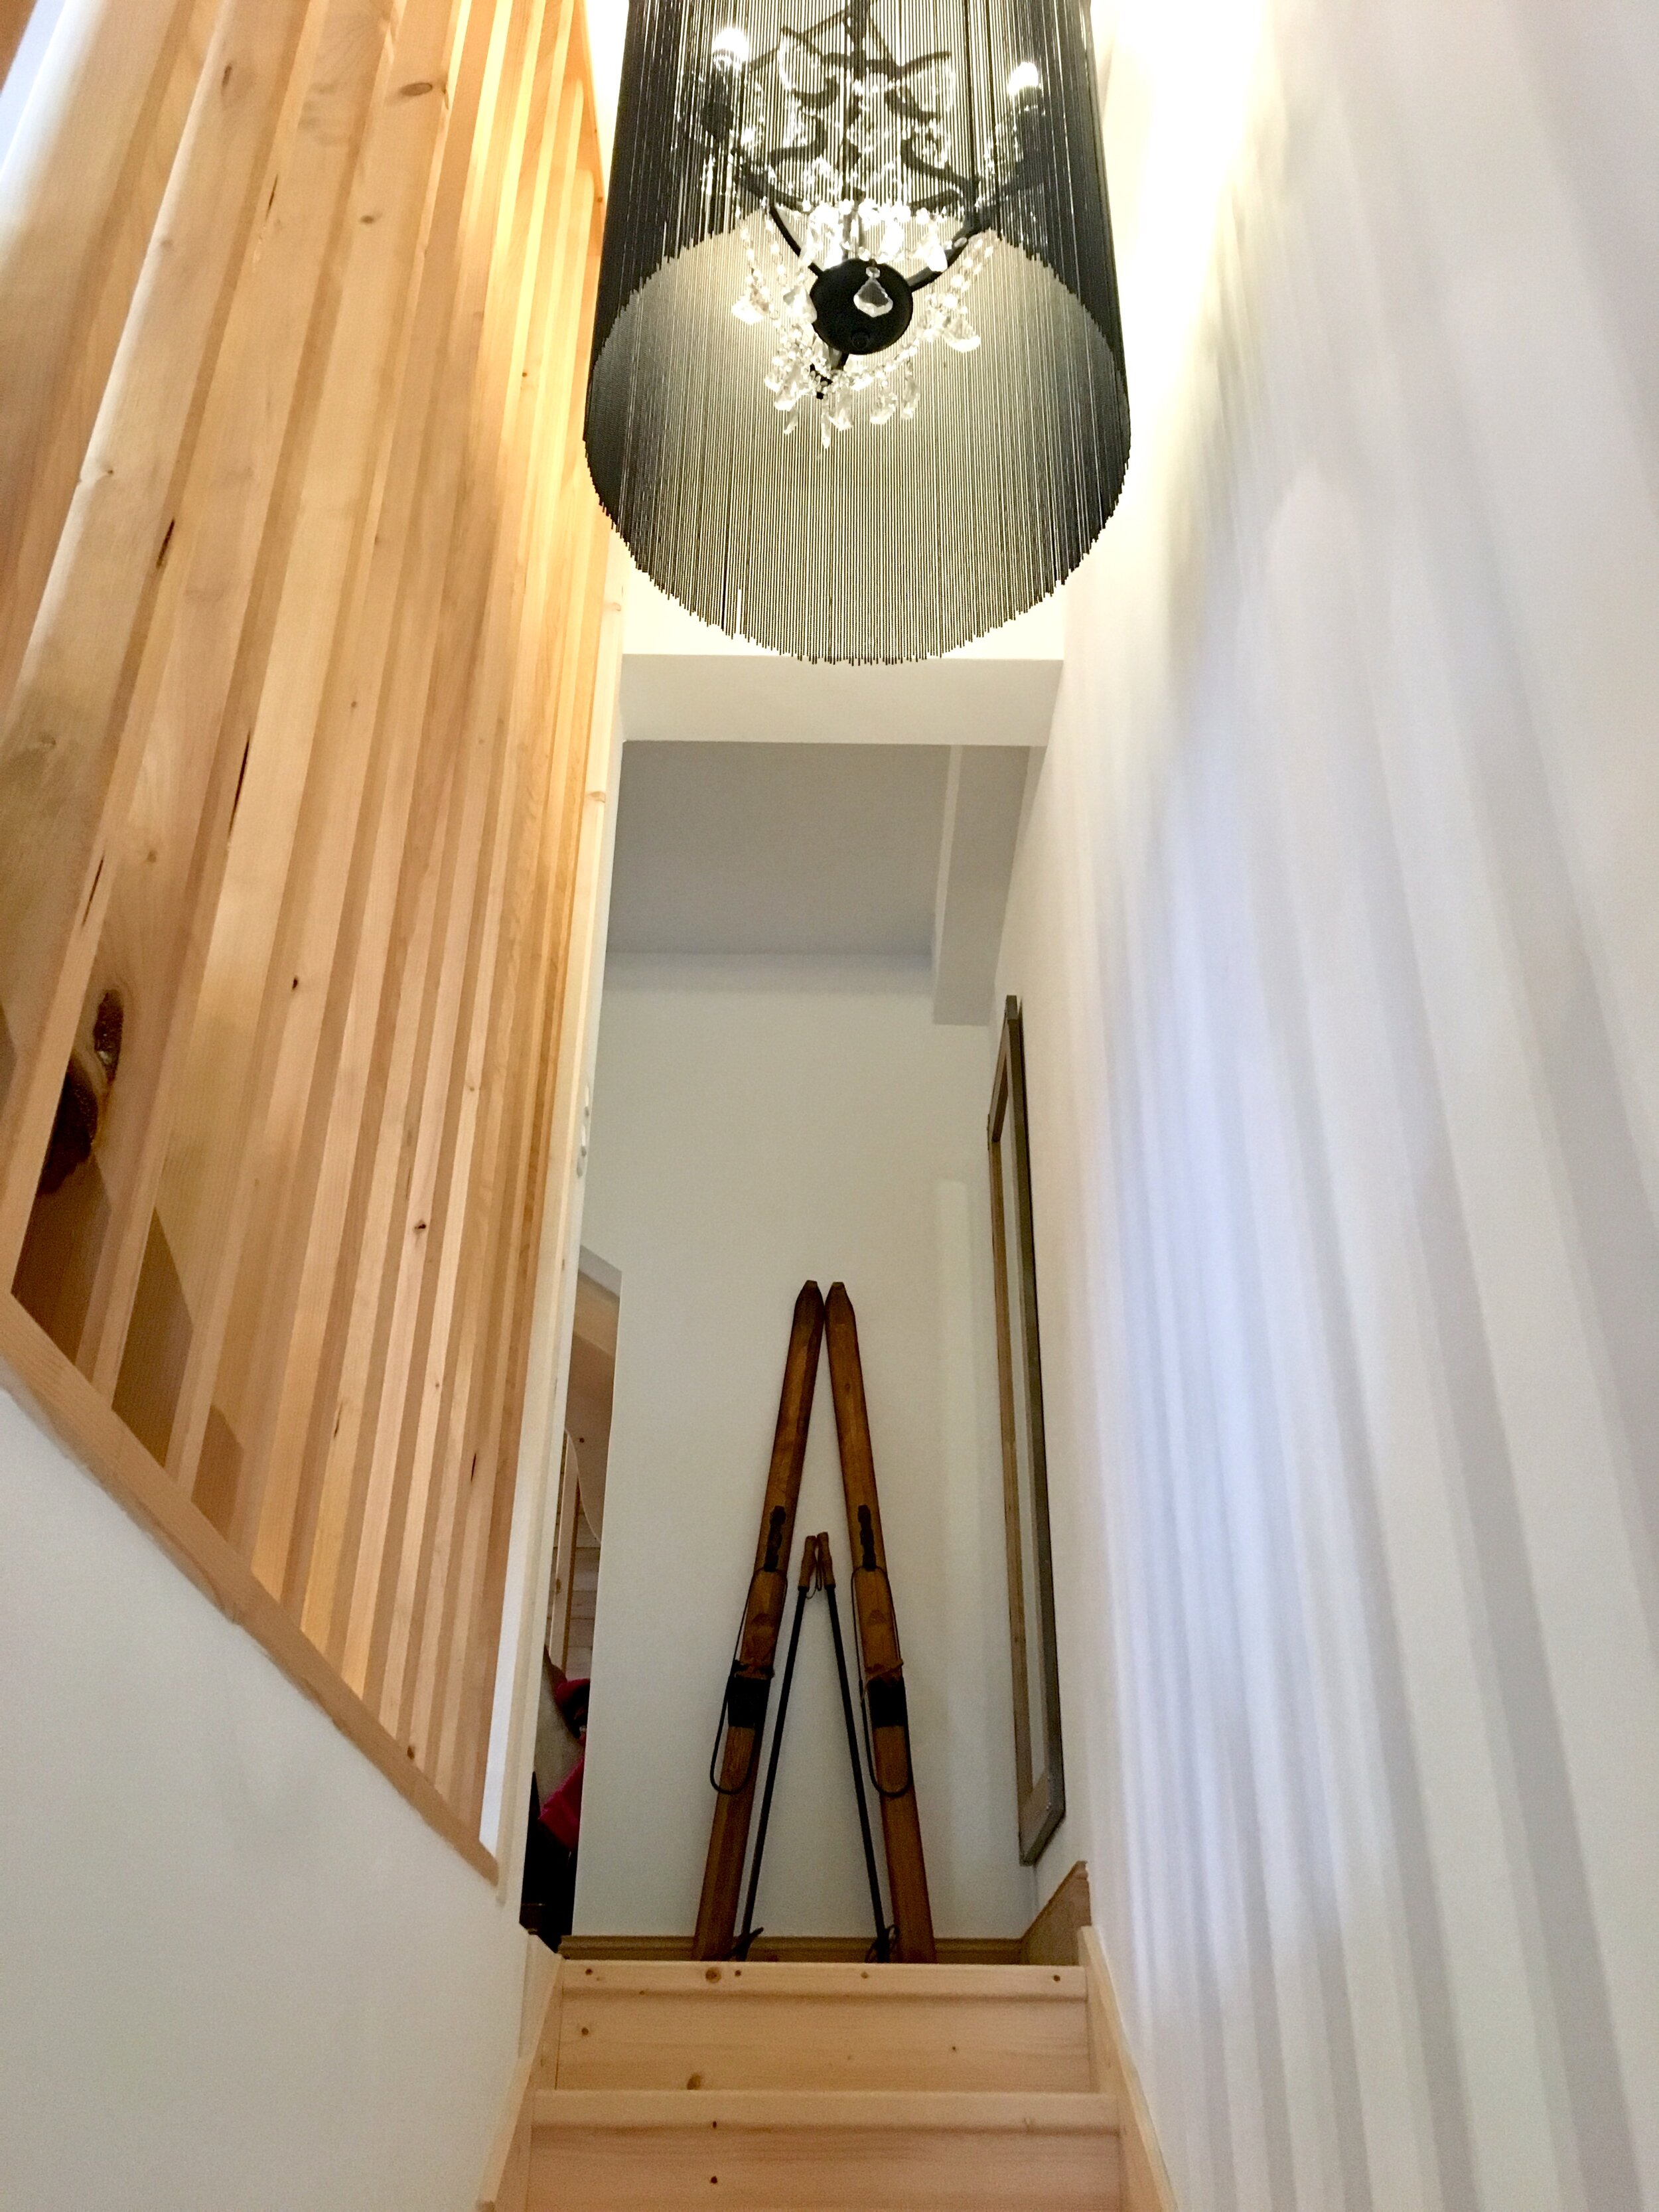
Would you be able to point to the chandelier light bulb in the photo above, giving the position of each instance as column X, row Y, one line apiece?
column 732, row 45
column 1024, row 77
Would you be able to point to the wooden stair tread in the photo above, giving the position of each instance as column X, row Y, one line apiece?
column 972, row 2111
column 822, row 2150
column 825, row 1979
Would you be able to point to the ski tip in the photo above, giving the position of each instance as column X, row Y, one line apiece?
column 811, row 1297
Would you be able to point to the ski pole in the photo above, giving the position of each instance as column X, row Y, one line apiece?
column 827, row 1578
column 803, row 1590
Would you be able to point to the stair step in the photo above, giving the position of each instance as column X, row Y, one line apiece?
column 679, row 2025
column 837, row 2150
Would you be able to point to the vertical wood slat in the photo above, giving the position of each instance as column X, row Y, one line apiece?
column 82, row 181
column 321, row 804
column 300, row 1519
column 69, row 755
column 497, row 490
column 567, row 980
column 473, row 1076
column 477, row 1462
column 464, row 1732
column 384, row 1158
column 378, row 1480
column 273, row 1346
column 528, row 717
column 261, row 1313
column 529, row 713
column 492, row 1430
column 453, row 1661
column 176, row 839
column 260, row 994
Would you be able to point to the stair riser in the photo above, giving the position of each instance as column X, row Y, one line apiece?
column 809, row 2169
column 673, row 2042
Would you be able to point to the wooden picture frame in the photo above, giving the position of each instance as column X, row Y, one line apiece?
column 1039, row 1757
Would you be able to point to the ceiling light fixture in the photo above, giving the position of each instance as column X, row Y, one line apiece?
column 825, row 227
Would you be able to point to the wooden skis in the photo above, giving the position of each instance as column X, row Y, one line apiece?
column 736, row 1761
column 879, row 1659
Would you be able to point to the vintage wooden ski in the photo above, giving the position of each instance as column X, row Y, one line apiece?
column 737, row 1757
column 886, row 1712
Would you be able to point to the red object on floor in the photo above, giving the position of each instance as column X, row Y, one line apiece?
column 570, row 1696
column 562, row 1811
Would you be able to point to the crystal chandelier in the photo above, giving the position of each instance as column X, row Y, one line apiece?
column 889, row 214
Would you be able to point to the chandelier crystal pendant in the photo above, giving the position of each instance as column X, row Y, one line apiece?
column 857, row 389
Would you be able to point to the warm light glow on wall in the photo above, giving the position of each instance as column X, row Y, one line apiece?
column 1181, row 81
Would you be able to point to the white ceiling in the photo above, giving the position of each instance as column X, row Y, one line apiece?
column 823, row 849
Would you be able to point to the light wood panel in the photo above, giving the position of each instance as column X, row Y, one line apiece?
column 309, row 1529
column 825, row 2026
column 170, row 863
column 1053, row 1937
column 836, row 2151
column 827, row 2085
column 84, row 177
column 71, row 733
column 301, row 595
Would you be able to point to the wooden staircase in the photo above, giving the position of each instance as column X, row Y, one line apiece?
column 769, row 2088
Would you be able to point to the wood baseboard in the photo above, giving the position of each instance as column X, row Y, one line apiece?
column 1146, row 2178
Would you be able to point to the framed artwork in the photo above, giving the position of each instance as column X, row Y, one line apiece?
column 1039, row 1760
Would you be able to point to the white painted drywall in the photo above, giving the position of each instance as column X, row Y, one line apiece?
column 753, row 1128
column 238, row 1972
column 44, row 17
column 1336, row 927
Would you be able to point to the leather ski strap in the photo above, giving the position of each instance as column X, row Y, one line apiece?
column 748, row 1689
column 886, row 1713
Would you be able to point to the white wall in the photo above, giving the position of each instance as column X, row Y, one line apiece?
column 1336, row 927
column 240, row 1972
column 752, row 1128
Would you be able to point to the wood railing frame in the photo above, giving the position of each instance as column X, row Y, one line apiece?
column 309, row 636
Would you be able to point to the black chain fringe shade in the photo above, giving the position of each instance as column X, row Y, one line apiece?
column 857, row 389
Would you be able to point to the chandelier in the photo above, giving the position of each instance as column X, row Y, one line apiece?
column 857, row 388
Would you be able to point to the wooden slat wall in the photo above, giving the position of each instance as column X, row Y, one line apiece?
column 301, row 585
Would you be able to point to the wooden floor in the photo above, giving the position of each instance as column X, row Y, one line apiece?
column 854, row 2089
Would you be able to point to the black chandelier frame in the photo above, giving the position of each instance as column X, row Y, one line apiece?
column 718, row 507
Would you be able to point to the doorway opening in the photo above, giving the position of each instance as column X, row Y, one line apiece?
column 549, row 1875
